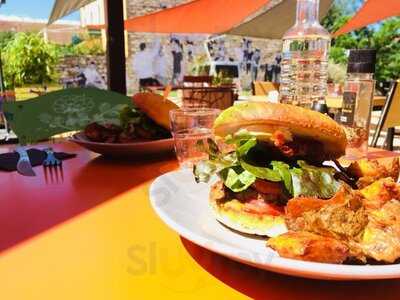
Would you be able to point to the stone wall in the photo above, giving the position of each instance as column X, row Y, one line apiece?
column 269, row 48
column 68, row 63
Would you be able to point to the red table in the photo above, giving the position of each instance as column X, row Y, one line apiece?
column 93, row 235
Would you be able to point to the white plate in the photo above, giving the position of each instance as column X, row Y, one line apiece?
column 183, row 205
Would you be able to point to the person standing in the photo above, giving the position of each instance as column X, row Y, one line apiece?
column 190, row 50
column 269, row 72
column 239, row 54
column 255, row 62
column 277, row 70
column 160, row 67
column 245, row 51
column 249, row 55
column 143, row 64
column 221, row 53
column 177, row 56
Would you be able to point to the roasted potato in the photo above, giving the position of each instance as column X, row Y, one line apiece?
column 381, row 237
column 360, row 224
column 378, row 193
column 368, row 171
column 310, row 247
column 342, row 217
column 299, row 205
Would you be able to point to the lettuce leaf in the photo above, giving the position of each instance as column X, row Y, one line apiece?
column 203, row 171
column 217, row 161
column 129, row 115
column 237, row 179
column 260, row 172
column 313, row 181
column 245, row 147
column 284, row 173
column 238, row 174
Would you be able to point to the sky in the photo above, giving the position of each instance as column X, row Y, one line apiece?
column 37, row 9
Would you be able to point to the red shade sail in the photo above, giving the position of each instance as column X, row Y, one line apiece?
column 198, row 16
column 371, row 12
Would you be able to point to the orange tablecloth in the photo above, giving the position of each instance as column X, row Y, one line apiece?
column 95, row 236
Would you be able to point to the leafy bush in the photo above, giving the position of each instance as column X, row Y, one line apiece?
column 91, row 46
column 29, row 59
column 5, row 38
column 64, row 50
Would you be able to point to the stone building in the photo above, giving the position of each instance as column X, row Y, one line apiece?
column 94, row 15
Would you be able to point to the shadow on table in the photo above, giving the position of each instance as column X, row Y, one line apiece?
column 38, row 205
column 260, row 284
column 112, row 176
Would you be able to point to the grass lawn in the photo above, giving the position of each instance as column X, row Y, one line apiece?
column 24, row 92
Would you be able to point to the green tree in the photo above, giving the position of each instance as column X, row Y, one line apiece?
column 386, row 40
column 29, row 59
column 383, row 37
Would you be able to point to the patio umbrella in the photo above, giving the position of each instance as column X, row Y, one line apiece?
column 274, row 22
column 63, row 8
column 198, row 16
column 372, row 11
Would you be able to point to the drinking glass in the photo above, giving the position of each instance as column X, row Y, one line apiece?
column 188, row 127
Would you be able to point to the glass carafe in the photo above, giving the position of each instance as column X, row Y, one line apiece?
column 305, row 58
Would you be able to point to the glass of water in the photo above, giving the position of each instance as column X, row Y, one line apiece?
column 189, row 126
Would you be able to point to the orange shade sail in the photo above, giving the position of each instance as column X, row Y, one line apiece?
column 371, row 12
column 198, row 16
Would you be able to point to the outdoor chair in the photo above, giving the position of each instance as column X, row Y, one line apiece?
column 199, row 92
column 262, row 88
column 390, row 117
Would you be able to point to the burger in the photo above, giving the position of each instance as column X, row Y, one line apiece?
column 264, row 154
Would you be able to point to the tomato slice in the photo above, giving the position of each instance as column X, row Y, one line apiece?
column 259, row 206
column 267, row 187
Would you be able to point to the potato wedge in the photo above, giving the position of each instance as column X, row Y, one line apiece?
column 378, row 193
column 368, row 171
column 308, row 246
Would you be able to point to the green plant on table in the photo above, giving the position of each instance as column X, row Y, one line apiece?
column 222, row 78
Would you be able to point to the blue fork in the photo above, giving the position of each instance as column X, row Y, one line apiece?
column 51, row 160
